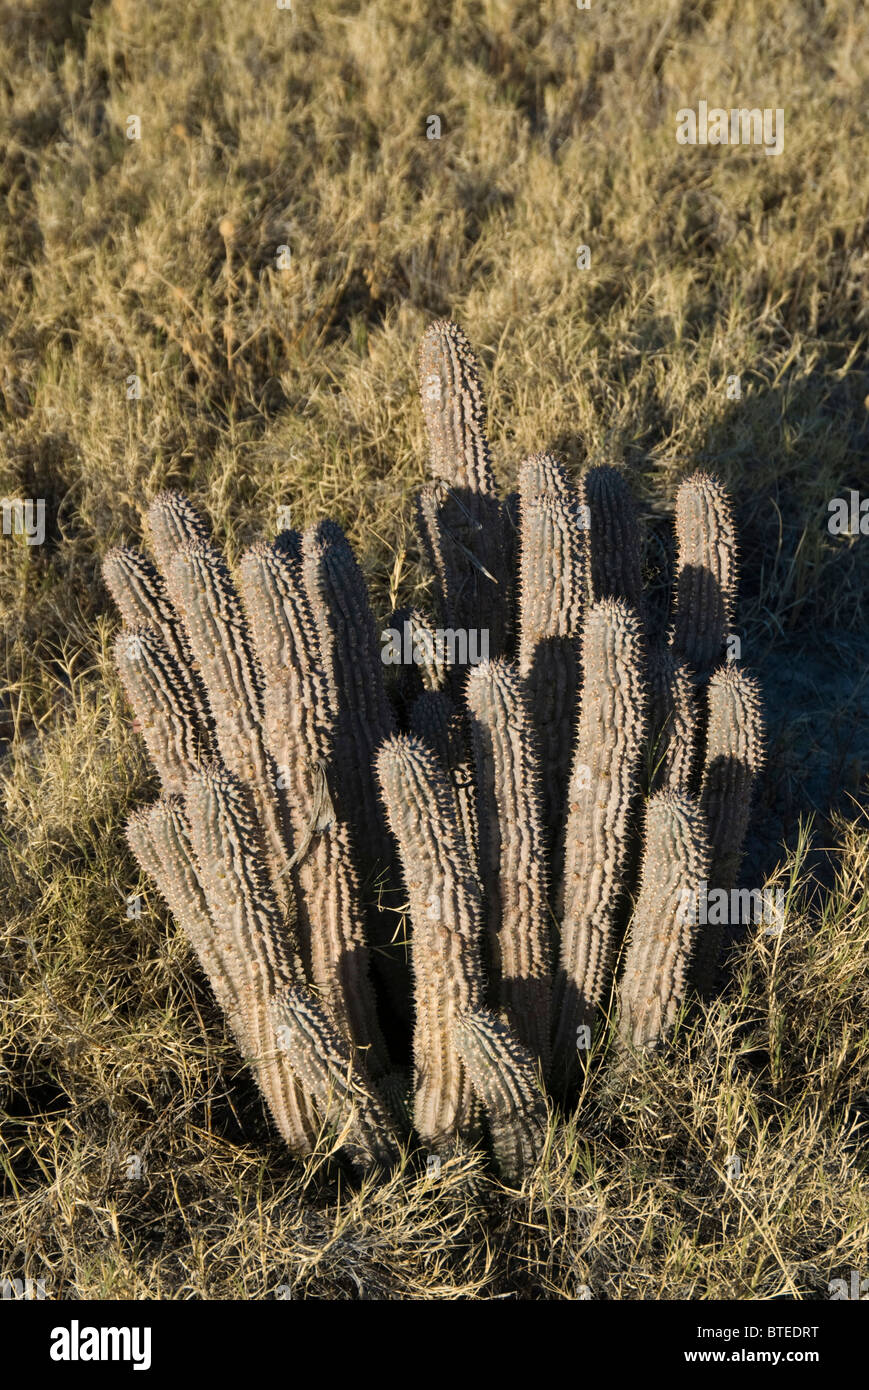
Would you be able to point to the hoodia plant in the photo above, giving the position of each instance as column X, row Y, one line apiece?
column 535, row 822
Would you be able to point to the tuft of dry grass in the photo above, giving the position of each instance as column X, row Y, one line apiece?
column 136, row 1158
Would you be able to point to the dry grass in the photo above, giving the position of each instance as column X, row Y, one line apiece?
column 264, row 387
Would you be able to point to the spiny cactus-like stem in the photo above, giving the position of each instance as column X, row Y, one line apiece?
column 137, row 587
column 228, row 843
column 673, row 722
column 705, row 572
column 435, row 719
column 604, row 782
column 614, row 551
column 160, row 839
column 663, row 930
column 284, row 634
column 467, row 518
column 454, row 409
column 511, row 509
column 229, row 849
column 504, row 1074
column 324, row 1064
column 512, row 504
column 351, row 657
column 540, row 474
column 467, row 560
column 438, row 558
column 513, row 851
column 552, row 595
column 164, row 842
column 445, row 909
column 300, row 730
column 202, row 590
column 161, row 701
column 734, row 753
column 140, row 594
column 173, row 522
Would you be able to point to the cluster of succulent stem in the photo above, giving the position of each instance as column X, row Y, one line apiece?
column 415, row 899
